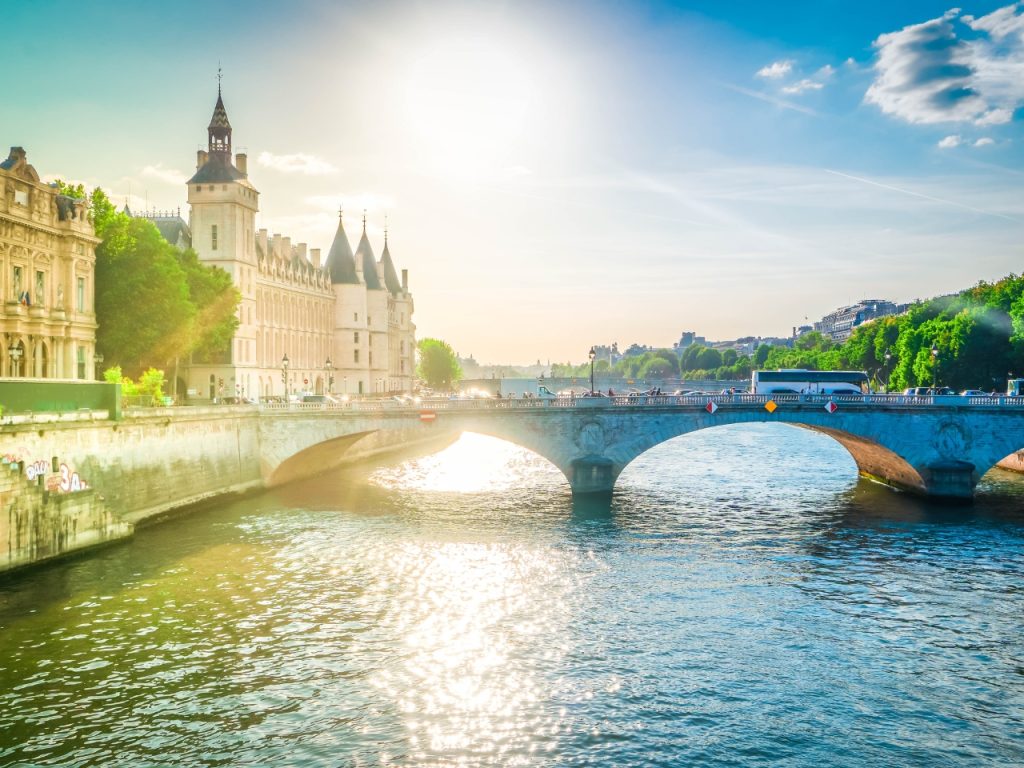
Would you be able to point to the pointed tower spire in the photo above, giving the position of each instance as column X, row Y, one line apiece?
column 341, row 265
column 368, row 262
column 387, row 266
column 219, row 130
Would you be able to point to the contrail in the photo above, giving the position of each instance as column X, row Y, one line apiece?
column 922, row 195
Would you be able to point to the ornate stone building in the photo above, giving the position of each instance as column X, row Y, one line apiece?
column 344, row 326
column 47, row 266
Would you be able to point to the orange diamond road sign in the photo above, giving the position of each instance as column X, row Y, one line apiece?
column 770, row 406
column 831, row 407
column 427, row 416
column 710, row 407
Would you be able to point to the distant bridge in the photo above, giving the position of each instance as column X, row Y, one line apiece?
column 934, row 445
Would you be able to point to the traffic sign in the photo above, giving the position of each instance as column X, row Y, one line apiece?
column 770, row 406
column 831, row 407
column 305, row 381
column 711, row 407
column 427, row 416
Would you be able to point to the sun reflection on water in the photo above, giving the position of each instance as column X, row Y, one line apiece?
column 473, row 464
column 468, row 616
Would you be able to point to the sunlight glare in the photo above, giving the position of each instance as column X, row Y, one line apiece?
column 473, row 464
column 469, row 103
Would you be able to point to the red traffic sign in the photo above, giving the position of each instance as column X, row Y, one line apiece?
column 831, row 407
column 427, row 416
column 711, row 407
column 305, row 381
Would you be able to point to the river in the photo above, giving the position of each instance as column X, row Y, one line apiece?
column 745, row 601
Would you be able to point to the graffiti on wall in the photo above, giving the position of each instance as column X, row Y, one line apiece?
column 66, row 481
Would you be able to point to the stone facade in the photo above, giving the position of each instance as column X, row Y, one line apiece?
column 344, row 329
column 47, row 266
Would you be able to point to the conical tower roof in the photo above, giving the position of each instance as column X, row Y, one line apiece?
column 340, row 263
column 220, row 115
column 388, row 268
column 365, row 254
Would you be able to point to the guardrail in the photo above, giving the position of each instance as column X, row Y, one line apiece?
column 646, row 401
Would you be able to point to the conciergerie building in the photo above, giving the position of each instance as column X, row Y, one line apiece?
column 341, row 324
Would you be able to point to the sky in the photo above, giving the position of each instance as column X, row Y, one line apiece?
column 562, row 174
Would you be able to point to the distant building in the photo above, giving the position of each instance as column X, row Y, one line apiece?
column 604, row 352
column 689, row 339
column 48, row 260
column 174, row 229
column 839, row 325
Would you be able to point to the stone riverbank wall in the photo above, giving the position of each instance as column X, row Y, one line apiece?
column 66, row 485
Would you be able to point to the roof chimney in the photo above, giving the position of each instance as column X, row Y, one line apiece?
column 241, row 162
column 201, row 158
column 314, row 255
column 405, row 281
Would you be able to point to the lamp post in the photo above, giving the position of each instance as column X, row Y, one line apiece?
column 935, row 365
column 888, row 373
column 330, row 376
column 284, row 375
column 592, row 354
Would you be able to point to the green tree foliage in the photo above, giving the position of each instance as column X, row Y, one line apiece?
column 978, row 336
column 154, row 303
column 438, row 365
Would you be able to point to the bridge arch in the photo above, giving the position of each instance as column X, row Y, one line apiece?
column 317, row 458
column 873, row 459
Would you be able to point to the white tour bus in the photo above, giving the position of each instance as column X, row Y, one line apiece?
column 801, row 381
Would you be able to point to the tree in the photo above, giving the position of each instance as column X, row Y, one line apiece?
column 438, row 365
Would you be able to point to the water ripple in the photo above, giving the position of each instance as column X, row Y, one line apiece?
column 744, row 601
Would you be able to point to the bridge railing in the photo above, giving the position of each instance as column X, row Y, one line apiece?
column 723, row 400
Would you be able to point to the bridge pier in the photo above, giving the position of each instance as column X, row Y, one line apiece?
column 950, row 480
column 592, row 475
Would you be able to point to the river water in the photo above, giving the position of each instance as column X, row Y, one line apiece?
column 745, row 601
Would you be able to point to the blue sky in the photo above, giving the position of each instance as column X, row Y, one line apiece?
column 563, row 174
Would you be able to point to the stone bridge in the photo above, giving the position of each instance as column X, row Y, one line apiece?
column 936, row 446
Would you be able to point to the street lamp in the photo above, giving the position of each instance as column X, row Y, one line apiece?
column 935, row 364
column 330, row 376
column 592, row 354
column 284, row 375
column 888, row 373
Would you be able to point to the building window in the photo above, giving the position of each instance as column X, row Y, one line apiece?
column 18, row 287
column 371, row 357
column 355, row 356
column 21, row 197
column 356, row 317
column 81, row 362
column 80, row 295
column 369, row 321
column 199, row 189
column 40, row 287
column 213, row 236
column 356, row 337
column 401, row 366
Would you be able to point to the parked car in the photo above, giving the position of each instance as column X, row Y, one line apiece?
column 943, row 391
column 916, row 391
column 974, row 393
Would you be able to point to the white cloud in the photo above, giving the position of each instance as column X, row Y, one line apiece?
column 803, row 85
column 932, row 73
column 308, row 165
column 950, row 141
column 165, row 175
column 776, row 70
column 984, row 142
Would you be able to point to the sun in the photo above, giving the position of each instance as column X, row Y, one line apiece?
column 469, row 106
